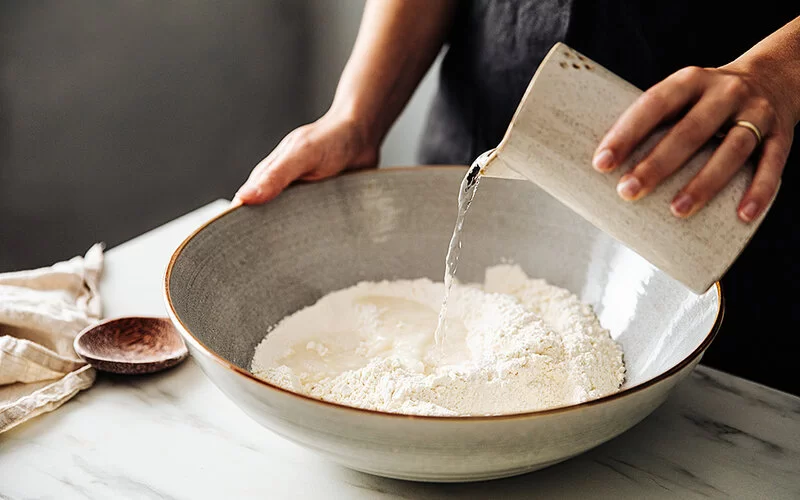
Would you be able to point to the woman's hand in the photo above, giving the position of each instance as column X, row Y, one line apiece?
column 396, row 44
column 761, row 87
column 312, row 152
column 715, row 99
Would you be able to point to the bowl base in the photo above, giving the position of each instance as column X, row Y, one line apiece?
column 460, row 477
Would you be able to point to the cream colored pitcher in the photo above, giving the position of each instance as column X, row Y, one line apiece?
column 569, row 105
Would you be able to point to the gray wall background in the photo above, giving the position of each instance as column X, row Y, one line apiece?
column 119, row 115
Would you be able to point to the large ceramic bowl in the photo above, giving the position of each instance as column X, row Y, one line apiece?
column 251, row 266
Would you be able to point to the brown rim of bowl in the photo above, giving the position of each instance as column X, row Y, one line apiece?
column 188, row 336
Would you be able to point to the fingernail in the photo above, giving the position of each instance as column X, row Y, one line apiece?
column 682, row 204
column 603, row 160
column 245, row 192
column 749, row 211
column 629, row 187
column 236, row 202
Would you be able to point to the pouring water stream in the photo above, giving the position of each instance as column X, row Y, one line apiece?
column 466, row 193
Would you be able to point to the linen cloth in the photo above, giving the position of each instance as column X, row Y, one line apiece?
column 41, row 312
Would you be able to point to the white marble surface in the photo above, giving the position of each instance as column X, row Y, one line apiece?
column 175, row 435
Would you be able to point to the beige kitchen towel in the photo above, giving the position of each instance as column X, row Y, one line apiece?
column 41, row 311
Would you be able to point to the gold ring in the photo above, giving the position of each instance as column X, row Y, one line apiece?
column 752, row 128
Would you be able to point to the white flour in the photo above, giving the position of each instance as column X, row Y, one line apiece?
column 514, row 345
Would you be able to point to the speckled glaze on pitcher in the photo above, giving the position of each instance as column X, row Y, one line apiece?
column 569, row 105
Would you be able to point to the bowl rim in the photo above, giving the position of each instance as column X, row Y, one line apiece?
column 205, row 350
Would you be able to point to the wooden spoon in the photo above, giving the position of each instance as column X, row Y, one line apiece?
column 131, row 345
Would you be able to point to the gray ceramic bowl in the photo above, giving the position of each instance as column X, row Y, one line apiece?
column 251, row 266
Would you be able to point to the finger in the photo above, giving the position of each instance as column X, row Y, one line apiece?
column 315, row 174
column 767, row 178
column 729, row 157
column 656, row 105
column 250, row 191
column 681, row 142
column 272, row 176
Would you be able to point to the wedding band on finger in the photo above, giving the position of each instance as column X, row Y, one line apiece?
column 752, row 128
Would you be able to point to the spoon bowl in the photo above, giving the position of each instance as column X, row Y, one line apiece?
column 131, row 345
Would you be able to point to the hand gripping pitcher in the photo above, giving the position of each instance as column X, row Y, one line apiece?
column 568, row 107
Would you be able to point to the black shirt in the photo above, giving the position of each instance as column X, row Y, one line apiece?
column 494, row 49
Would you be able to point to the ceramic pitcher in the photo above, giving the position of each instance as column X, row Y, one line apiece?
column 569, row 105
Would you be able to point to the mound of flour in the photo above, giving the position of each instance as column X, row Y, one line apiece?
column 513, row 345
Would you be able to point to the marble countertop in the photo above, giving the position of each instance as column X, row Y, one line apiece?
column 175, row 435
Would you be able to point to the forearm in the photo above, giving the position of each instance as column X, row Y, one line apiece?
column 777, row 59
column 396, row 44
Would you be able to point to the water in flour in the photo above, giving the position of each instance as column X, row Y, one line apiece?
column 514, row 344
